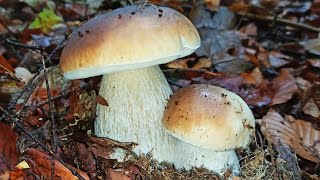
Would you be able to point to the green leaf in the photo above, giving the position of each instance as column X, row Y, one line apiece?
column 46, row 20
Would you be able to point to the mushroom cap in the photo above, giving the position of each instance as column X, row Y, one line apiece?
column 209, row 117
column 127, row 38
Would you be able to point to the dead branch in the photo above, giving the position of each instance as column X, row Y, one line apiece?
column 279, row 20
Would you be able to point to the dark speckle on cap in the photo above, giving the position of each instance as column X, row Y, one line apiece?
column 80, row 34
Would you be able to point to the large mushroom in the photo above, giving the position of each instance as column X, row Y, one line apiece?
column 210, row 122
column 125, row 46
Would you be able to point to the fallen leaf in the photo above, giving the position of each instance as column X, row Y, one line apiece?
column 288, row 131
column 41, row 164
column 213, row 5
column 284, row 86
column 215, row 33
column 22, row 165
column 82, row 156
column 278, row 59
column 46, row 20
column 17, row 175
column 102, row 101
column 203, row 63
column 178, row 64
column 10, row 86
column 248, row 77
column 8, row 149
column 258, row 96
column 102, row 147
column 312, row 45
column 311, row 108
column 4, row 64
column 233, row 65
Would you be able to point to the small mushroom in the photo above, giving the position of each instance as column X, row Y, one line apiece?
column 211, row 123
column 125, row 46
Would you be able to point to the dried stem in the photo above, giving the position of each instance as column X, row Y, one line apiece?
column 53, row 123
column 17, row 44
column 280, row 20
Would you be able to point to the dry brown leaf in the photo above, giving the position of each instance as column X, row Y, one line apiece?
column 203, row 63
column 297, row 134
column 239, row 6
column 40, row 163
column 5, row 175
column 284, row 86
column 311, row 108
column 102, row 101
column 8, row 150
column 178, row 64
column 248, row 77
column 212, row 4
column 277, row 59
column 4, row 64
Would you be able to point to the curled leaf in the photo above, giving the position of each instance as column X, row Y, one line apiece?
column 287, row 131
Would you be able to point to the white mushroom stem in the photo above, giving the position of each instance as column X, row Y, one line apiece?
column 188, row 156
column 137, row 99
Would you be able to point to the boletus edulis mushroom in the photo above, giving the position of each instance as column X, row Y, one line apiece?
column 125, row 46
column 211, row 123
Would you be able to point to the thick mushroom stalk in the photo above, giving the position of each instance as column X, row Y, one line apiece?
column 137, row 100
column 188, row 156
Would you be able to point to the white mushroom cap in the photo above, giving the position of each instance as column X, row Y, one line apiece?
column 132, row 37
column 209, row 117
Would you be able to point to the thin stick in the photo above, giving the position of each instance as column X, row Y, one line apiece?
column 280, row 20
column 10, row 73
column 39, row 143
column 53, row 123
column 17, row 44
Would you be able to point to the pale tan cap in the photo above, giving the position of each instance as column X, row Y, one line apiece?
column 127, row 38
column 209, row 117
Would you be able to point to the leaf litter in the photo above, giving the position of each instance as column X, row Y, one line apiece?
column 265, row 51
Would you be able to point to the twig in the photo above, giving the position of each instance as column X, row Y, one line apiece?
column 280, row 20
column 27, row 90
column 10, row 73
column 39, row 143
column 53, row 123
column 190, row 70
column 17, row 44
